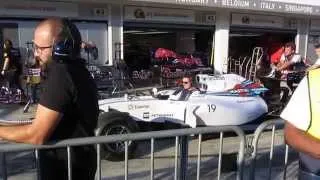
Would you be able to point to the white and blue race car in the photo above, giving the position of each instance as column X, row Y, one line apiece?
column 216, row 104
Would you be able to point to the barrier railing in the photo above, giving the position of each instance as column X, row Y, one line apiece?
column 181, row 143
column 274, row 124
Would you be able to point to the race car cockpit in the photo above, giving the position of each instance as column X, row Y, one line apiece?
column 183, row 94
column 179, row 94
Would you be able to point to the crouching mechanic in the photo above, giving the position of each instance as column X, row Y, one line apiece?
column 302, row 127
column 68, row 106
column 186, row 91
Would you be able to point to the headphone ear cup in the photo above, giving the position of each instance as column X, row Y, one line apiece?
column 69, row 45
column 62, row 50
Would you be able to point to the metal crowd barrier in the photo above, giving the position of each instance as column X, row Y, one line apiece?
column 274, row 124
column 181, row 148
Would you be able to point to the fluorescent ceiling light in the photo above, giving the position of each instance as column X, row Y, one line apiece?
column 244, row 35
column 147, row 33
column 131, row 31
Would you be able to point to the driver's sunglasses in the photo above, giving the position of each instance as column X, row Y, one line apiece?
column 185, row 82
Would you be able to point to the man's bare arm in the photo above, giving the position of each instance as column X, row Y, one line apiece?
column 301, row 141
column 38, row 132
column 6, row 64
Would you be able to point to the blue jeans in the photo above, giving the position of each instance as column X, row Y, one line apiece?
column 34, row 94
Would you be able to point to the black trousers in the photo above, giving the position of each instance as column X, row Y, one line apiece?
column 54, row 164
column 303, row 175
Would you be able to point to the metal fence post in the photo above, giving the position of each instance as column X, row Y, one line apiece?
column 199, row 157
column 183, row 157
column 69, row 162
column 176, row 158
column 37, row 157
column 220, row 155
column 255, row 144
column 241, row 154
column 181, row 146
column 126, row 161
column 152, row 160
column 286, row 163
column 98, row 172
column 4, row 166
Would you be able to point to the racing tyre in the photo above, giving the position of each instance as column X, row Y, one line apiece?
column 116, row 151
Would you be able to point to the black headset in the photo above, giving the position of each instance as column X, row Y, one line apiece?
column 67, row 47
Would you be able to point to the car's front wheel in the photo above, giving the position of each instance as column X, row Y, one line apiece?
column 116, row 151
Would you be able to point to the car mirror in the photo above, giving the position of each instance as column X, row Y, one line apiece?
column 126, row 97
column 154, row 91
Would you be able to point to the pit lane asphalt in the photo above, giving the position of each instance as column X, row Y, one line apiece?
column 21, row 166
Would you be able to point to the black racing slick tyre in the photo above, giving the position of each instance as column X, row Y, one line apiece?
column 117, row 126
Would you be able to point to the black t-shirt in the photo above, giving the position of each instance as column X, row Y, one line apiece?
column 70, row 90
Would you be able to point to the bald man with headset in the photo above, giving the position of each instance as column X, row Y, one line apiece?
column 68, row 106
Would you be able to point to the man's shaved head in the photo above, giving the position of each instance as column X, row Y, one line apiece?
column 45, row 34
column 48, row 32
column 50, row 27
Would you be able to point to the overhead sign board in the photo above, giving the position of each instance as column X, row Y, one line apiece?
column 159, row 14
column 315, row 25
column 30, row 8
column 258, row 5
column 257, row 20
column 168, row 15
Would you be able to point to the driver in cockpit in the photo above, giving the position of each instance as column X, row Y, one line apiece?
column 186, row 91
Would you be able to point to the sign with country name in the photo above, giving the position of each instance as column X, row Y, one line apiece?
column 259, row 5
